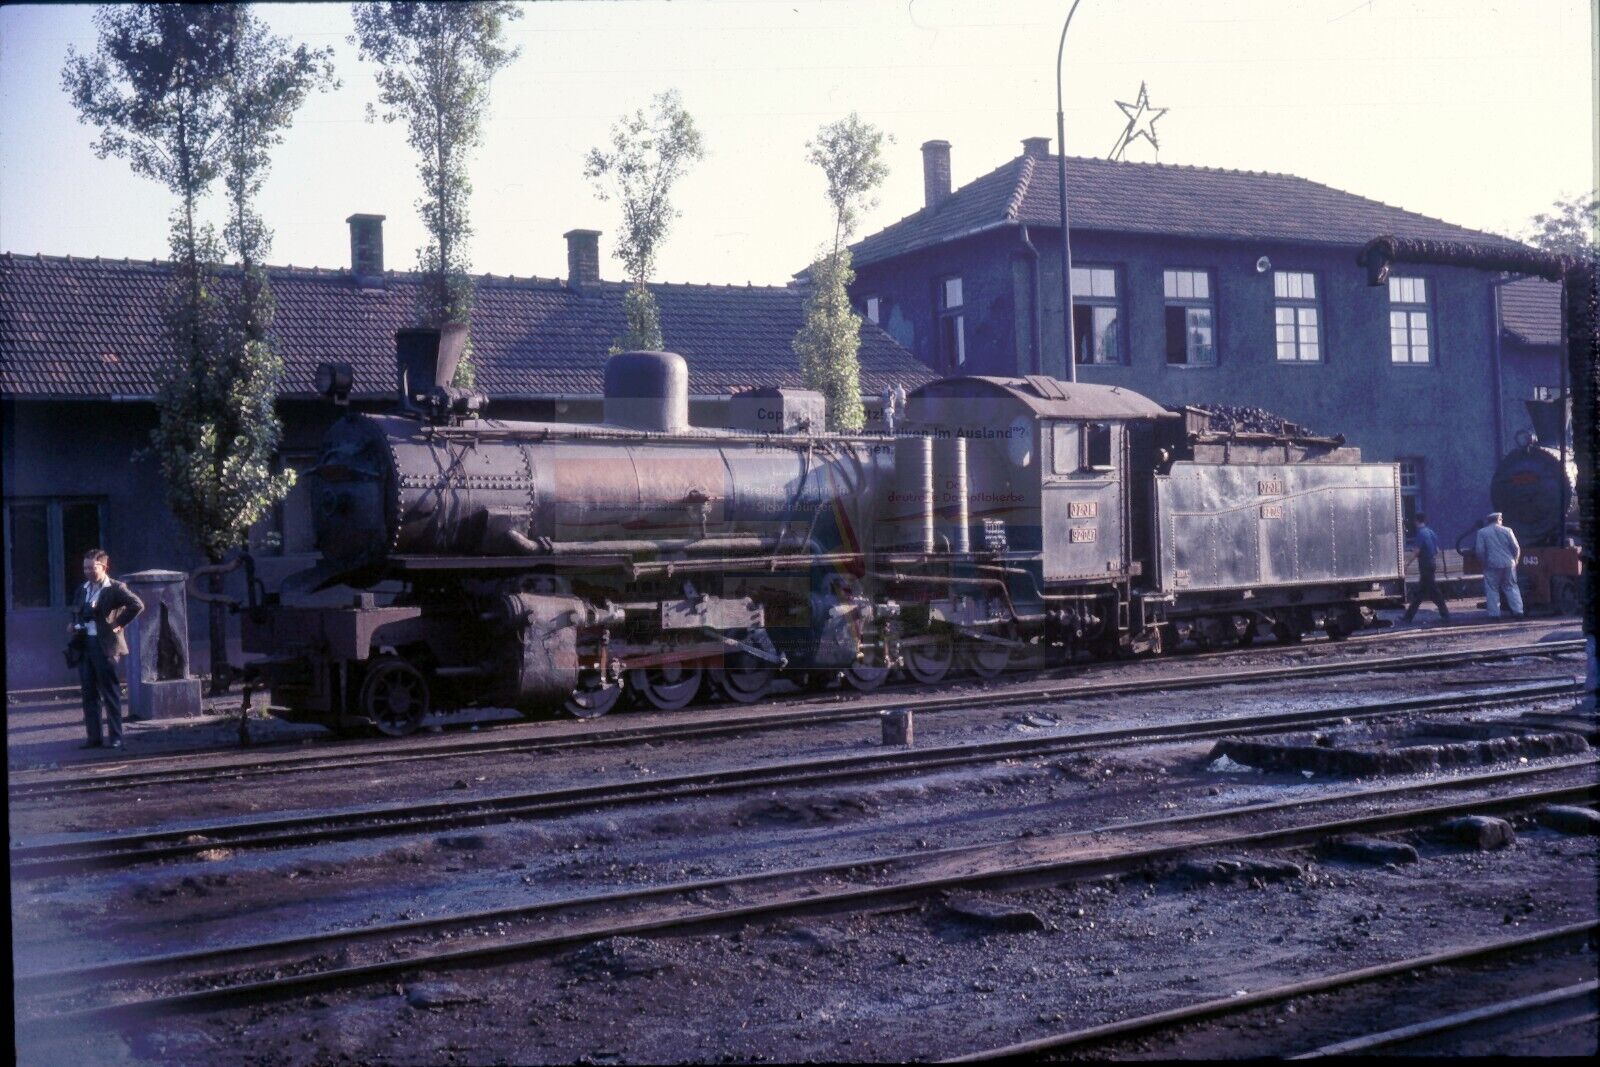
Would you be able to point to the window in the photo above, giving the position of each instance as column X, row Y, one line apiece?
column 952, row 325
column 45, row 543
column 1408, row 320
column 1190, row 326
column 1095, row 328
column 1410, row 490
column 1096, row 445
column 872, row 307
column 1295, row 316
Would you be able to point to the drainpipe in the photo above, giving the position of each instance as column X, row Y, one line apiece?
column 1036, row 323
column 1495, row 361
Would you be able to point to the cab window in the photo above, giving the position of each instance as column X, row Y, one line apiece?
column 1096, row 446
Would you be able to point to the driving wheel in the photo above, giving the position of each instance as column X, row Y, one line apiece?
column 984, row 659
column 929, row 662
column 743, row 678
column 668, row 687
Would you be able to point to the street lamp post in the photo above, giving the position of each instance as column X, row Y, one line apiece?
column 1066, row 234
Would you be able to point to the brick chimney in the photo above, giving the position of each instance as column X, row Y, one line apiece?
column 935, row 172
column 1036, row 147
column 583, row 258
column 366, row 248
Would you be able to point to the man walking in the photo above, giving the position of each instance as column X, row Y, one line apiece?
column 102, row 607
column 1497, row 549
column 1426, row 555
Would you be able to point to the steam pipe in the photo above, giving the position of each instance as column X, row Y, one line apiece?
column 963, row 518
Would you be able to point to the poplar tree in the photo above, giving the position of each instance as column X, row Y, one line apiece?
column 649, row 153
column 434, row 65
column 850, row 153
column 188, row 92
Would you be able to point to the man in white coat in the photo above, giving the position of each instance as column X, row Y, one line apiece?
column 1496, row 547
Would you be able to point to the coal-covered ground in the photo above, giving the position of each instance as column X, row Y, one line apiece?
column 917, row 983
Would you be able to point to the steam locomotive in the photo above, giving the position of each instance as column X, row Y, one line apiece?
column 1001, row 522
column 1535, row 488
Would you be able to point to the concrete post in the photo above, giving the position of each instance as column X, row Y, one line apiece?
column 159, row 683
column 897, row 728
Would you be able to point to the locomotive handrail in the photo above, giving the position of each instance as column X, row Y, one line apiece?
column 703, row 434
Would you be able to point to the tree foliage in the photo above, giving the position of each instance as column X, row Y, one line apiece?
column 1570, row 227
column 187, row 93
column 850, row 153
column 649, row 152
column 434, row 65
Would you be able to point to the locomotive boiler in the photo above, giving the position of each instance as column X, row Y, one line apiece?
column 1003, row 522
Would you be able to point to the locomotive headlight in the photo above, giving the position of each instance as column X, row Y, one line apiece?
column 1019, row 440
column 334, row 380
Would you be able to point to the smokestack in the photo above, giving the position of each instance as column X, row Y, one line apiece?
column 366, row 248
column 427, row 358
column 1036, row 147
column 935, row 172
column 583, row 258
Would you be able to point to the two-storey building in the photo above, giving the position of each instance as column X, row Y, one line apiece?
column 1201, row 286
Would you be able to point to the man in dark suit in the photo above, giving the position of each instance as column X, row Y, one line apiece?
column 102, row 607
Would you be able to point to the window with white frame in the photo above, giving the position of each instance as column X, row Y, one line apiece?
column 1296, row 318
column 952, row 325
column 1190, row 318
column 1410, row 333
column 1096, row 315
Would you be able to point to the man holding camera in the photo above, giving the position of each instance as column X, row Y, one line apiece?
column 101, row 608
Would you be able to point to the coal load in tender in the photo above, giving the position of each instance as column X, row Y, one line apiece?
column 1250, row 420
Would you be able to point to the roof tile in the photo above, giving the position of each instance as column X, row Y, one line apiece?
column 88, row 328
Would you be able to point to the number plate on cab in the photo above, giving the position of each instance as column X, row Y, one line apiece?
column 1082, row 535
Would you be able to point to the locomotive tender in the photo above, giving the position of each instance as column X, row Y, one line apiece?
column 1003, row 522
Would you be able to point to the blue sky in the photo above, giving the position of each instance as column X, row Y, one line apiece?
column 1478, row 112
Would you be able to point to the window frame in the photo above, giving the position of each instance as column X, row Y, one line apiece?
column 1410, row 495
column 1089, row 300
column 1296, row 306
column 950, row 317
column 59, row 595
column 872, row 309
column 1208, row 303
column 1423, row 307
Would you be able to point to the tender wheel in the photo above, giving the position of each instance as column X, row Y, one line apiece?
column 592, row 700
column 744, row 678
column 1564, row 596
column 1247, row 633
column 668, row 687
column 983, row 659
column 394, row 695
column 1287, row 633
column 930, row 662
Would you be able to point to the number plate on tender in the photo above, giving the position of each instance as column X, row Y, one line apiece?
column 1081, row 509
column 1271, row 488
column 1084, row 535
column 1272, row 511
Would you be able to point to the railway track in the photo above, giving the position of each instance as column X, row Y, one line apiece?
column 1081, row 1042
column 139, row 988
column 52, row 786
column 78, row 854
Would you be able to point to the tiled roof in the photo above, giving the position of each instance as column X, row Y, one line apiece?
column 87, row 328
column 1157, row 198
column 1530, row 311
